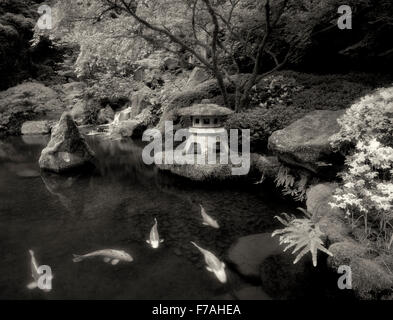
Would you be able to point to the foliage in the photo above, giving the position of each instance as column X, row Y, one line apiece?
column 293, row 185
column 369, row 118
column 16, row 24
column 367, row 189
column 366, row 193
column 111, row 88
column 284, row 97
column 324, row 47
column 274, row 90
column 220, row 35
column 110, row 41
column 338, row 93
column 205, row 90
column 302, row 234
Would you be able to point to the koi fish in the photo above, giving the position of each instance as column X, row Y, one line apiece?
column 154, row 240
column 110, row 256
column 208, row 220
column 213, row 264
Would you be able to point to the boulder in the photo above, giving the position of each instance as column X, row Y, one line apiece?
column 139, row 74
column 140, row 100
column 124, row 128
column 171, row 63
column 85, row 111
column 344, row 251
column 371, row 275
column 105, row 115
column 187, row 166
column 150, row 63
column 282, row 280
column 36, row 127
column 318, row 198
column 197, row 76
column 73, row 90
column 67, row 149
column 306, row 142
column 124, row 115
column 330, row 220
column 127, row 127
column 207, row 172
column 248, row 253
column 78, row 111
column 153, row 79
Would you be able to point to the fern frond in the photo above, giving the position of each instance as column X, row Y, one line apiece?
column 300, row 245
column 284, row 222
column 288, row 217
column 306, row 213
column 301, row 254
column 302, row 234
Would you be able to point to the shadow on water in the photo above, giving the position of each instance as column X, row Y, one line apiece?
column 113, row 207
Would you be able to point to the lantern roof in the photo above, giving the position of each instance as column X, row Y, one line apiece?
column 205, row 110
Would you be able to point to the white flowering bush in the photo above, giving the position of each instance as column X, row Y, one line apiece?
column 366, row 192
column 369, row 118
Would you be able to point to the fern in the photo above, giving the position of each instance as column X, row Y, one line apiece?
column 291, row 187
column 284, row 178
column 302, row 234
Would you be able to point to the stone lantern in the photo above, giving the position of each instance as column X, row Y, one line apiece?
column 207, row 132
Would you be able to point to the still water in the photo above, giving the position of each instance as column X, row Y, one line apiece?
column 114, row 206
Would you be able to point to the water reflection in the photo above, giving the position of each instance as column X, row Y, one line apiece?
column 65, row 188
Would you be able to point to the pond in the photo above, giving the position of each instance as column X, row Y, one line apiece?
column 114, row 206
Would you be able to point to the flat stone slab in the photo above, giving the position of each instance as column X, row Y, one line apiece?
column 36, row 127
column 248, row 253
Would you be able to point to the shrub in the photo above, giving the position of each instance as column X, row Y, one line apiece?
column 329, row 95
column 273, row 90
column 206, row 90
column 366, row 193
column 369, row 118
column 367, row 190
column 109, row 87
column 16, row 25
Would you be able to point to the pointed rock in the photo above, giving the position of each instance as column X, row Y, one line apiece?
column 67, row 149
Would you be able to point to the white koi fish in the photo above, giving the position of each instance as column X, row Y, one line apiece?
column 110, row 256
column 36, row 274
column 154, row 240
column 208, row 220
column 213, row 264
